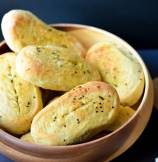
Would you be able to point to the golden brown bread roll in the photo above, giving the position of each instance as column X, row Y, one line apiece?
column 21, row 28
column 27, row 138
column 76, row 116
column 123, row 115
column 118, row 68
column 54, row 67
column 19, row 100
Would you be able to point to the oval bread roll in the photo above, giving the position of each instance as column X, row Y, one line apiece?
column 119, row 69
column 76, row 116
column 27, row 138
column 54, row 67
column 123, row 115
column 19, row 100
column 21, row 28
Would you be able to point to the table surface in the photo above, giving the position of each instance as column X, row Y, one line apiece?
column 145, row 148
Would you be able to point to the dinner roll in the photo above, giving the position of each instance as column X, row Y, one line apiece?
column 118, row 68
column 123, row 115
column 19, row 100
column 76, row 116
column 21, row 28
column 54, row 67
column 27, row 138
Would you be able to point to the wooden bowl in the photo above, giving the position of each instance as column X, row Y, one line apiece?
column 105, row 147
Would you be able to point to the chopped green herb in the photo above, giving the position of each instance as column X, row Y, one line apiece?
column 101, row 97
column 63, row 45
column 78, row 121
column 38, row 49
column 115, row 85
column 49, row 29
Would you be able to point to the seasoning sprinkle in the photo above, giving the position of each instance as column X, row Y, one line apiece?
column 101, row 97
column 63, row 45
column 115, row 85
column 88, row 71
column 54, row 118
column 28, row 104
column 78, row 121
column 38, row 49
column 54, row 52
column 82, row 104
column 49, row 29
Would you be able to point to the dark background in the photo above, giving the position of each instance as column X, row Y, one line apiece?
column 136, row 21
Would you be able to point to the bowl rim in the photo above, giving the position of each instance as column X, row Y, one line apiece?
column 18, row 143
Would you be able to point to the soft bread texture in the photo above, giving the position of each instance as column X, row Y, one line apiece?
column 27, row 138
column 118, row 68
column 76, row 116
column 54, row 67
column 21, row 28
column 123, row 115
column 19, row 100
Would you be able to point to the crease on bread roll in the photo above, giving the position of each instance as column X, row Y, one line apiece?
column 123, row 115
column 54, row 67
column 21, row 28
column 19, row 100
column 76, row 116
column 118, row 68
column 27, row 138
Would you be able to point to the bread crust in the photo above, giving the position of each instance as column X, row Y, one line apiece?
column 76, row 116
column 21, row 28
column 19, row 100
column 123, row 115
column 27, row 138
column 118, row 68
column 54, row 67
